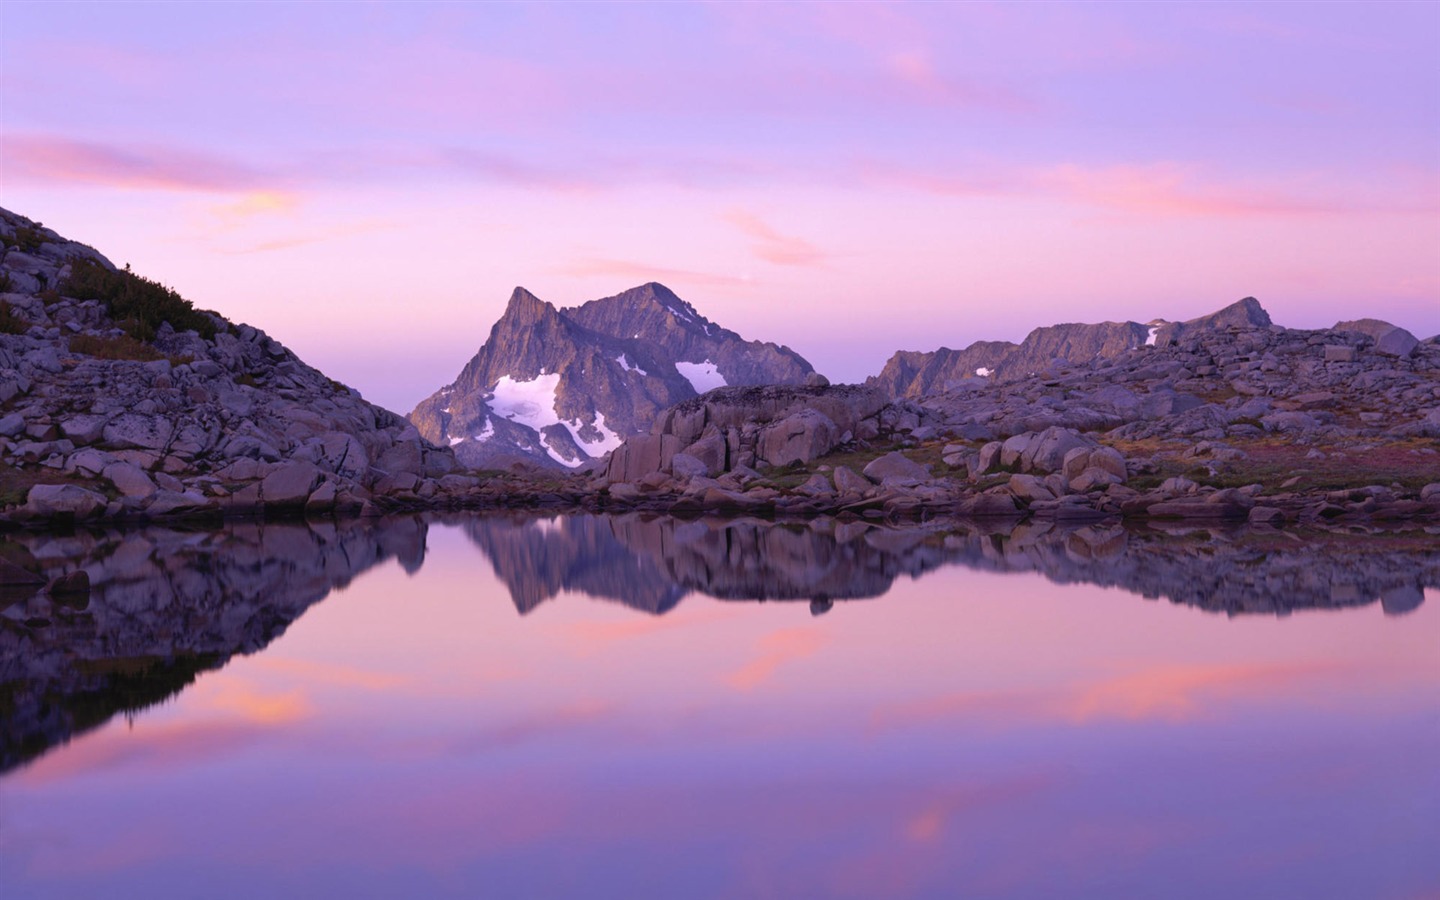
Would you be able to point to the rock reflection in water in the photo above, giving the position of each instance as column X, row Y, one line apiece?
column 165, row 605
column 651, row 563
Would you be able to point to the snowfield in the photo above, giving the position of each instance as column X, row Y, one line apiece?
column 702, row 376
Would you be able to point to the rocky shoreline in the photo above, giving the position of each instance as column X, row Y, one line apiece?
column 121, row 403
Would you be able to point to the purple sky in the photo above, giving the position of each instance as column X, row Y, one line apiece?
column 368, row 182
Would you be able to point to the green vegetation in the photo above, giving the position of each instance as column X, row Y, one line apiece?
column 122, row 347
column 139, row 305
column 27, row 239
column 9, row 322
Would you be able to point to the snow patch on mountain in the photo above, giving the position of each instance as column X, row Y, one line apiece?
column 702, row 376
column 624, row 362
column 530, row 403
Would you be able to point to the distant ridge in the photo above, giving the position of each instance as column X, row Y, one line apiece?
column 915, row 374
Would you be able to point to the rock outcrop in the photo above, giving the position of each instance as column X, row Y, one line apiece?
column 919, row 374
column 563, row 387
column 738, row 428
column 119, row 399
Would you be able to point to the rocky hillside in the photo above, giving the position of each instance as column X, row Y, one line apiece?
column 119, row 399
column 916, row 374
column 1218, row 418
column 563, row 387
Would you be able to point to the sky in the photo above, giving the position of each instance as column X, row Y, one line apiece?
column 368, row 182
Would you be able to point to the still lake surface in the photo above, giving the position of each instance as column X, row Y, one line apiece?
column 601, row 707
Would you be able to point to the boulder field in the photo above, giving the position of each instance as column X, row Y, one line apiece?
column 108, row 410
column 1228, row 419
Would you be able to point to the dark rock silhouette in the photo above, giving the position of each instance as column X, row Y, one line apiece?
column 651, row 563
column 163, row 606
column 538, row 558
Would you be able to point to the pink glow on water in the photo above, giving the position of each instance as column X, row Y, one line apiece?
column 416, row 730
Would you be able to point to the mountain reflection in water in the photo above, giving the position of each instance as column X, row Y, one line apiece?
column 166, row 605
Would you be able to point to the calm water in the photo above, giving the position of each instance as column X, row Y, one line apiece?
column 600, row 707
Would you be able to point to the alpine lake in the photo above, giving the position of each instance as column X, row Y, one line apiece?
column 478, row 705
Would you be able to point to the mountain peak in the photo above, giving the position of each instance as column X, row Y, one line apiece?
column 1245, row 312
column 525, row 308
column 653, row 293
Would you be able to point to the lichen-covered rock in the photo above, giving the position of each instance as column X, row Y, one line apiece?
column 63, row 500
column 895, row 465
column 802, row 437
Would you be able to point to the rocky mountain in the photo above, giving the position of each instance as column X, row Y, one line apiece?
column 706, row 354
column 917, row 374
column 562, row 387
column 118, row 398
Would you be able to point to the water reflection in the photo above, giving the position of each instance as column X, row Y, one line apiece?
column 652, row 563
column 162, row 607
column 166, row 605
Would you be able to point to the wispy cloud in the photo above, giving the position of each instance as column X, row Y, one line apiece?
column 254, row 705
column 927, row 825
column 772, row 246
column 776, row 649
column 334, row 675
column 331, row 233
column 54, row 159
column 256, row 203
column 1167, row 692
column 1167, row 189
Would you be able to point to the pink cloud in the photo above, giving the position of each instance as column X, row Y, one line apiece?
column 334, row 675
column 772, row 246
column 52, row 159
column 1172, row 692
column 775, row 650
column 927, row 825
column 1178, row 692
column 148, row 748
column 331, row 233
column 1169, row 189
